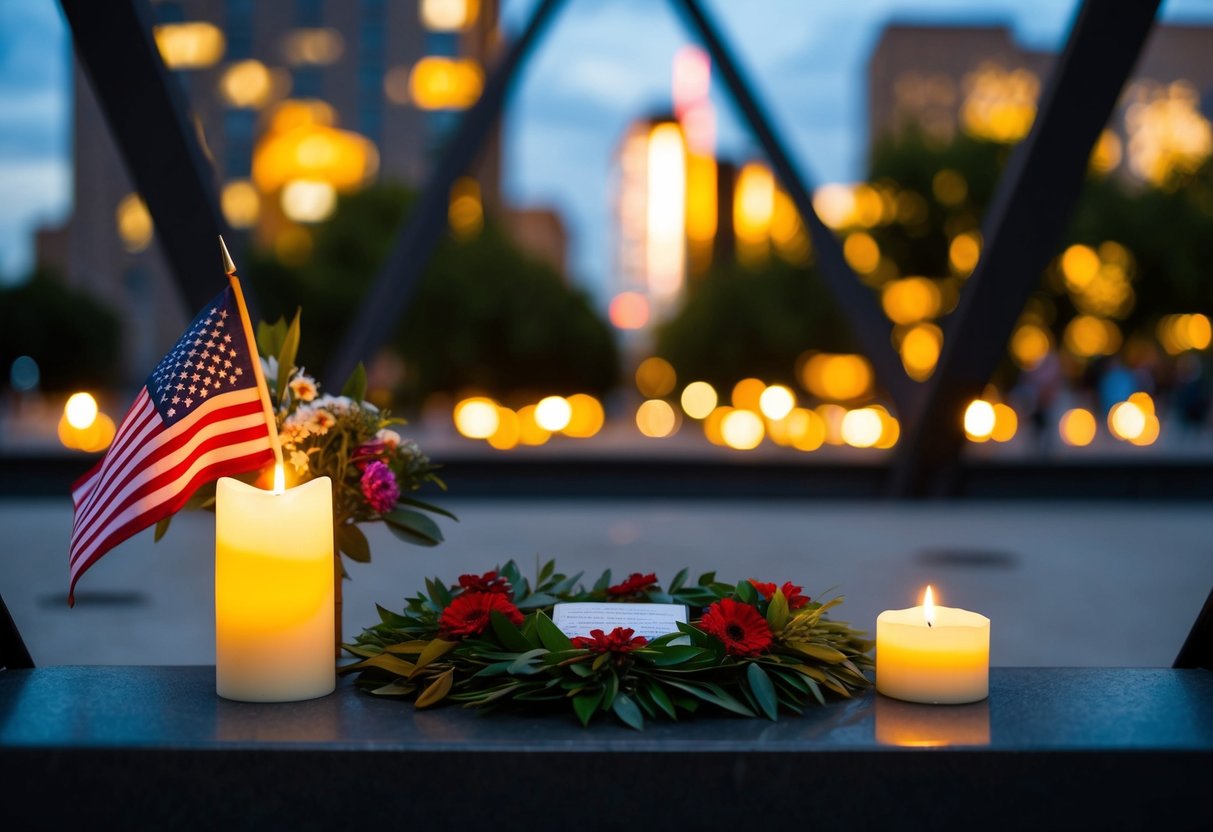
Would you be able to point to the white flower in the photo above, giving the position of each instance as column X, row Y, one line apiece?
column 299, row 460
column 269, row 369
column 389, row 437
column 322, row 422
column 303, row 388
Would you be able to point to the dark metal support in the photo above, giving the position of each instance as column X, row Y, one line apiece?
column 13, row 653
column 856, row 302
column 1026, row 219
column 385, row 299
column 1198, row 647
column 149, row 118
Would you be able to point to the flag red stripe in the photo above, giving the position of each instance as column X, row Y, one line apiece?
column 131, row 437
column 124, row 428
column 166, row 442
column 158, row 512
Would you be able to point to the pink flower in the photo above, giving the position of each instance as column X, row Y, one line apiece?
column 367, row 452
column 379, row 487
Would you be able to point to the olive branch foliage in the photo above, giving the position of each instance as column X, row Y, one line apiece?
column 537, row 667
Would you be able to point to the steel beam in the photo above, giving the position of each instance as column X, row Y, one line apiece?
column 148, row 116
column 1021, row 231
column 857, row 302
column 387, row 297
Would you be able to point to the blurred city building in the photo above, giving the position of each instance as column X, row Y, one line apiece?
column 978, row 79
column 295, row 102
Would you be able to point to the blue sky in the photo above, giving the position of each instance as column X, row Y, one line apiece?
column 603, row 63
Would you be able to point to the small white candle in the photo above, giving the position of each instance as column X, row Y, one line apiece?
column 274, row 591
column 937, row 655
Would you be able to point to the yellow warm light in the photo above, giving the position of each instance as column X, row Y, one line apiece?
column 841, row 377
column 302, row 144
column 862, row 428
column 911, row 299
column 313, row 47
column 807, row 429
column 1149, row 434
column 788, row 232
column 80, row 410
column 1079, row 265
column 698, row 399
column 747, row 394
column 465, row 212
column 1029, row 345
column 712, row 425
column 919, row 350
column 305, row 200
column 701, row 198
column 477, row 417
column 1106, row 154
column 742, row 430
column 1179, row 333
column 655, row 377
column 776, row 401
column 1077, row 427
column 134, row 223
column 831, row 416
column 445, row 83
column 95, row 437
column 1087, row 336
column 1006, row 423
column 241, row 203
column 586, row 418
column 950, row 187
column 928, row 606
column 999, row 105
column 753, row 211
column 1127, row 421
column 530, row 432
column 665, row 212
column 1169, row 136
column 835, row 205
column 508, row 433
column 246, row 84
column 862, row 252
column 192, row 45
column 890, row 429
column 448, row 15
column 629, row 310
column 553, row 413
column 979, row 420
column 656, row 419
column 964, row 252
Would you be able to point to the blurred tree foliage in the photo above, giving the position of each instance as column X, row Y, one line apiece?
column 739, row 322
column 74, row 338
column 484, row 315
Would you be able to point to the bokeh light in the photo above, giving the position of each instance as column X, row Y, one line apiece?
column 836, row 376
column 80, row 410
column 508, row 433
column 1077, row 427
column 776, row 401
column 586, row 417
column 553, row 413
column 919, row 350
column 862, row 428
column 1006, row 423
column 655, row 377
column 241, row 203
column 656, row 419
column 629, row 310
column 979, row 420
column 306, row 200
column 134, row 223
column 476, row 417
column 747, row 394
column 698, row 399
column 530, row 432
column 742, row 430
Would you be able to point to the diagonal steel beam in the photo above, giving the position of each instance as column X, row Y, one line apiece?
column 148, row 116
column 385, row 300
column 1025, row 222
column 857, row 303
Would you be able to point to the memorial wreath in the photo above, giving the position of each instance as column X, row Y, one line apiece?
column 490, row 642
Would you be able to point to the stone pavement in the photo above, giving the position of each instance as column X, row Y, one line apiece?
column 1065, row 584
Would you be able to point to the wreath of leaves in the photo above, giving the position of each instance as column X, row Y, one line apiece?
column 537, row 667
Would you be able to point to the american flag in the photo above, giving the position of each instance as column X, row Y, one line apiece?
column 200, row 416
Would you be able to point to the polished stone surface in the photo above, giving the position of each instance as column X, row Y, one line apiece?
column 1029, row 709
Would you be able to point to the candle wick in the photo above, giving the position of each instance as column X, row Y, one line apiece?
column 929, row 624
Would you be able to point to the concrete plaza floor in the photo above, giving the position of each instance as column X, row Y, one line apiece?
column 1065, row 584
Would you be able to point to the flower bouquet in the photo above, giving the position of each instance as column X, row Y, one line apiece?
column 489, row 642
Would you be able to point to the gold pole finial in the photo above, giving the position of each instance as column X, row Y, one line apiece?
column 228, row 266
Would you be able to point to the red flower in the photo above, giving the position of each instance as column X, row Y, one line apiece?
column 468, row 614
column 634, row 585
column 791, row 593
column 739, row 626
column 488, row 582
column 368, row 452
column 619, row 641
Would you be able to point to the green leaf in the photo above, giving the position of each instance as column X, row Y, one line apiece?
column 746, row 593
column 355, row 385
column 662, row 700
column 566, row 585
column 610, row 689
column 626, row 710
column 707, row 579
column 546, row 572
column 161, row 528
column 352, row 542
column 287, row 354
column 712, row 694
column 525, row 665
column 394, row 689
column 436, row 649
column 551, row 636
column 763, row 690
column 413, row 527
column 422, row 504
column 670, row 656
column 384, row 661
column 585, row 704
column 777, row 611
column 536, row 600
column 603, row 582
column 679, row 580
column 510, row 636
column 821, row 652
column 437, row 690
column 270, row 337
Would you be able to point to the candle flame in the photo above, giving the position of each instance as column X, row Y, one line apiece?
column 279, row 479
column 928, row 606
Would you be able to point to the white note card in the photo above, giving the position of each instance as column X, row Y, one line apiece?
column 648, row 620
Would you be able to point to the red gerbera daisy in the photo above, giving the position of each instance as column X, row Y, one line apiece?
column 791, row 593
column 468, row 614
column 619, row 641
column 488, row 582
column 739, row 626
column 634, row 585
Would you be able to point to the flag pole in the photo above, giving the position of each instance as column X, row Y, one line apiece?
column 229, row 268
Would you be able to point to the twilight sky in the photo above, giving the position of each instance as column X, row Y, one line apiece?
column 603, row 63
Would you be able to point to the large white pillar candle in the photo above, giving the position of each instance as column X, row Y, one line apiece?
column 937, row 655
column 274, row 592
